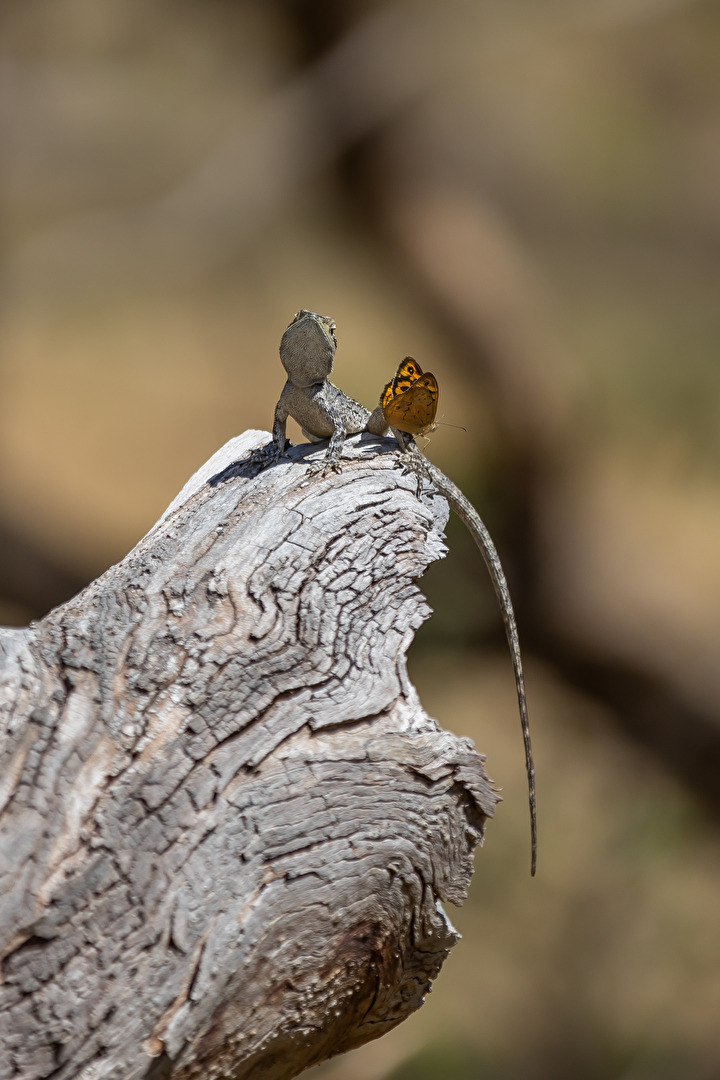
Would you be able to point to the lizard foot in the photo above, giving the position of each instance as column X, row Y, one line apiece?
column 327, row 464
column 407, row 460
column 322, row 468
column 264, row 456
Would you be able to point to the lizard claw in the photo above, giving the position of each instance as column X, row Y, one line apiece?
column 265, row 455
column 329, row 463
column 322, row 468
column 406, row 461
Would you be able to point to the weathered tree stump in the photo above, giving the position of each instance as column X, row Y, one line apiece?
column 227, row 823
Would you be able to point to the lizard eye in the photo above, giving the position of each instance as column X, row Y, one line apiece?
column 331, row 329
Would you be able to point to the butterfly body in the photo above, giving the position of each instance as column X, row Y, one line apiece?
column 409, row 401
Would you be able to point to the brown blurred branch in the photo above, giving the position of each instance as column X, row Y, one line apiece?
column 282, row 145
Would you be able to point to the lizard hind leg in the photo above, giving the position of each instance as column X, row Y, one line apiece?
column 409, row 451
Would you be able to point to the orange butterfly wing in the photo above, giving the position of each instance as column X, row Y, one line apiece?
column 407, row 373
column 386, row 396
column 413, row 409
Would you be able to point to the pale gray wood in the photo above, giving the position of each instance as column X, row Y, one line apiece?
column 226, row 823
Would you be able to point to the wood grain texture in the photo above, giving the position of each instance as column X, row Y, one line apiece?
column 226, row 823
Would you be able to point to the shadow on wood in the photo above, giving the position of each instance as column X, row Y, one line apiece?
column 227, row 823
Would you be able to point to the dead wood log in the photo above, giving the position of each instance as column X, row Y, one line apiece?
column 227, row 825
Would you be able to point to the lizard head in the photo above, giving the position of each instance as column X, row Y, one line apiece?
column 307, row 348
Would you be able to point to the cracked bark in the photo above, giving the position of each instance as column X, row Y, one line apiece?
column 226, row 823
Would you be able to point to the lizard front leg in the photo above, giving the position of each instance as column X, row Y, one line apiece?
column 331, row 460
column 334, row 414
column 271, row 453
column 279, row 432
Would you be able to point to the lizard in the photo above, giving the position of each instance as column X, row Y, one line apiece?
column 324, row 411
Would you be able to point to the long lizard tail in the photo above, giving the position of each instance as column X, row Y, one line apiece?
column 418, row 463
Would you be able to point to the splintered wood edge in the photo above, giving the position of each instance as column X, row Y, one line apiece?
column 228, row 825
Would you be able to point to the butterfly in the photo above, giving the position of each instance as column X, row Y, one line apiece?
column 409, row 401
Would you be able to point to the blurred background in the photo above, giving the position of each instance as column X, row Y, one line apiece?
column 525, row 196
